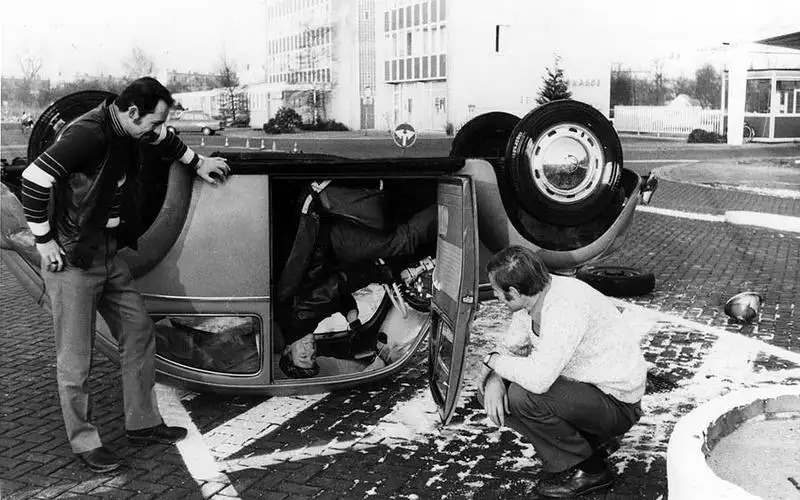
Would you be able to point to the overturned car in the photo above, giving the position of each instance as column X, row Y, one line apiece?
column 213, row 261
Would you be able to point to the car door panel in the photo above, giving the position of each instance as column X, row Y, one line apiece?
column 455, row 282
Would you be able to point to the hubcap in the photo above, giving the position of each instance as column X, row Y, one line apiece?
column 567, row 163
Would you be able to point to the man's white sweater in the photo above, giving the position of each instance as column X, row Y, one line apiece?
column 581, row 336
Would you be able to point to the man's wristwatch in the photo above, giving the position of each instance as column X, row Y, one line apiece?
column 488, row 358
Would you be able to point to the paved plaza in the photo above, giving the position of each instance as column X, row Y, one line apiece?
column 385, row 441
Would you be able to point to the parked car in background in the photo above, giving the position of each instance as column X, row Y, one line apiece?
column 193, row 121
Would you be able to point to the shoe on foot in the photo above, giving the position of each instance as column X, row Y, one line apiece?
column 574, row 484
column 161, row 433
column 100, row 459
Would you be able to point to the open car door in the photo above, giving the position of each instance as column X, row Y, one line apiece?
column 455, row 291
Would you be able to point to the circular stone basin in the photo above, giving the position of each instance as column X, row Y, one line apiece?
column 762, row 456
column 745, row 444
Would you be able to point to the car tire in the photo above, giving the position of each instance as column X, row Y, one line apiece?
column 485, row 135
column 60, row 114
column 564, row 162
column 617, row 281
column 207, row 131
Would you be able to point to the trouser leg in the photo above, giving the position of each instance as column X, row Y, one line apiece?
column 352, row 244
column 123, row 309
column 558, row 421
column 73, row 296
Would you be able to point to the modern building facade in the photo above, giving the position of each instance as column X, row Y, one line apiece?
column 372, row 64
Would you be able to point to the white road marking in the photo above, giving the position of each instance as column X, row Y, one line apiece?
column 680, row 214
column 751, row 343
column 194, row 451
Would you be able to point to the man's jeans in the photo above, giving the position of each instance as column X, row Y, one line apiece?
column 76, row 295
column 565, row 423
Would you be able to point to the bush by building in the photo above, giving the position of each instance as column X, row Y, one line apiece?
column 286, row 121
column 325, row 125
column 699, row 135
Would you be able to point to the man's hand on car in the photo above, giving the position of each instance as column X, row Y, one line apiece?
column 213, row 170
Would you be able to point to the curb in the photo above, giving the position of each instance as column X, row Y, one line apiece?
column 695, row 435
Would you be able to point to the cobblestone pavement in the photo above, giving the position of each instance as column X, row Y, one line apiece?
column 385, row 441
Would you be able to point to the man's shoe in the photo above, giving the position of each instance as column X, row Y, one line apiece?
column 100, row 459
column 161, row 433
column 577, row 483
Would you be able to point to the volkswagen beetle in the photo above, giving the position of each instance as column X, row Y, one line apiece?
column 209, row 257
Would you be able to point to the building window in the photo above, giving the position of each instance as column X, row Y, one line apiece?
column 416, row 15
column 394, row 20
column 409, row 43
column 386, row 21
column 434, row 10
column 433, row 66
column 400, row 18
column 757, row 95
column 424, row 66
column 788, row 92
column 409, row 66
column 442, row 65
column 416, row 68
column 386, row 70
column 409, row 105
column 441, row 10
column 425, row 7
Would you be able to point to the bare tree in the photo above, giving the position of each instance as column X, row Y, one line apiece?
column 232, row 99
column 659, row 84
column 30, row 66
column 138, row 64
column 310, row 71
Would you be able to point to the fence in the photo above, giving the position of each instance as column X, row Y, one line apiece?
column 664, row 120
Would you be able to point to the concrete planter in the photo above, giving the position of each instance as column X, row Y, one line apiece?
column 695, row 435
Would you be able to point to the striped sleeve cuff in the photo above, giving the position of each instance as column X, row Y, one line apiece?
column 190, row 158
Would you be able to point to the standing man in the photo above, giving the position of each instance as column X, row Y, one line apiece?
column 72, row 195
column 574, row 375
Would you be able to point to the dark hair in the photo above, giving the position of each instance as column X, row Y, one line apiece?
column 144, row 93
column 519, row 267
column 290, row 369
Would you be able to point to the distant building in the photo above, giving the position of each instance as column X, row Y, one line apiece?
column 11, row 84
column 373, row 64
column 189, row 82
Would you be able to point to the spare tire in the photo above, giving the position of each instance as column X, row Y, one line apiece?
column 564, row 162
column 617, row 281
column 485, row 135
column 60, row 114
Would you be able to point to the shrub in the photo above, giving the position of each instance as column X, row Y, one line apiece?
column 286, row 120
column 448, row 128
column 704, row 136
column 325, row 125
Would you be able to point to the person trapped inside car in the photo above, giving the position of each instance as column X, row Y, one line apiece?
column 572, row 376
column 341, row 239
column 89, row 172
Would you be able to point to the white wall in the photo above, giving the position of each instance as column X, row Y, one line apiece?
column 345, row 103
column 481, row 79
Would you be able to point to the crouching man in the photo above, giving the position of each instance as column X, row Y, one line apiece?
column 574, row 375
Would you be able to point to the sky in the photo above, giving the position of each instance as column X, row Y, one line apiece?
column 87, row 36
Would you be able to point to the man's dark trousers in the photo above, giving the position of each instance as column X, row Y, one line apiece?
column 76, row 295
column 565, row 423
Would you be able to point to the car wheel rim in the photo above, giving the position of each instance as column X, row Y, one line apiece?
column 567, row 163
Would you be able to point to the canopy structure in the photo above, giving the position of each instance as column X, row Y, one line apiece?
column 766, row 99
